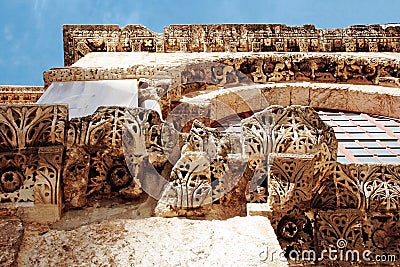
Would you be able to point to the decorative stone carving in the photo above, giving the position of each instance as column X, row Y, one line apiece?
column 291, row 181
column 202, row 176
column 285, row 156
column 95, row 164
column 20, row 94
column 79, row 40
column 32, row 140
column 259, row 67
column 17, row 178
column 32, row 126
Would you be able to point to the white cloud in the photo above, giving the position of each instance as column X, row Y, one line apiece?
column 39, row 5
column 38, row 8
column 8, row 33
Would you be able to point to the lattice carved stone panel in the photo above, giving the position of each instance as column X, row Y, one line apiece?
column 372, row 188
column 291, row 181
column 204, row 174
column 340, row 230
column 299, row 130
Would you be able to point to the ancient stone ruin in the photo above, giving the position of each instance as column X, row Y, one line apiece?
column 211, row 122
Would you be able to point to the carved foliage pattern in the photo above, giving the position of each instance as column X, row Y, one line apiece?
column 199, row 175
column 257, row 144
column 31, row 126
column 18, row 176
column 31, row 142
column 294, row 130
column 100, row 137
column 291, row 181
column 48, row 179
column 371, row 188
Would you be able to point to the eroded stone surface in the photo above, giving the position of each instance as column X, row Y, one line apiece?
column 156, row 241
column 11, row 233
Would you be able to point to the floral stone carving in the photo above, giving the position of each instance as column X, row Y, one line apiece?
column 32, row 140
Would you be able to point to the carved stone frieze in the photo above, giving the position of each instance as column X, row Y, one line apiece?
column 351, row 68
column 282, row 155
column 20, row 94
column 80, row 40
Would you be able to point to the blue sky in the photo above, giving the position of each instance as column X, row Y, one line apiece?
column 31, row 30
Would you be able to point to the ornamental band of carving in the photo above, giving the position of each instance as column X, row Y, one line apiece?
column 80, row 40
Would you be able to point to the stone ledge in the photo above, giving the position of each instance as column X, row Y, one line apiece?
column 350, row 68
column 370, row 99
column 258, row 209
column 20, row 94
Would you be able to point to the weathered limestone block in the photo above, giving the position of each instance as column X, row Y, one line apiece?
column 11, row 233
column 277, row 95
column 203, row 176
column 366, row 100
column 300, row 96
column 110, row 150
column 75, row 177
column 330, row 98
